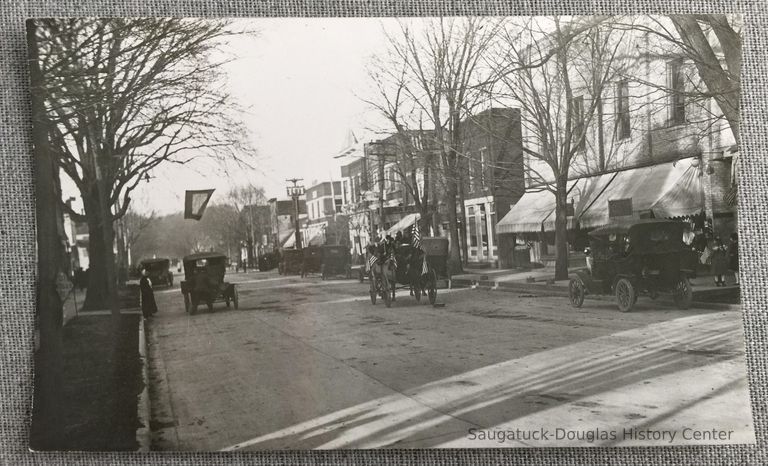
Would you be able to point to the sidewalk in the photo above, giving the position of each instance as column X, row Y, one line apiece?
column 542, row 280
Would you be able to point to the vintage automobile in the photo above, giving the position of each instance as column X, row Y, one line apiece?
column 311, row 260
column 268, row 261
column 337, row 260
column 290, row 262
column 204, row 281
column 627, row 259
column 159, row 271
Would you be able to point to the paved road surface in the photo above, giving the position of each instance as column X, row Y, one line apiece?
column 312, row 364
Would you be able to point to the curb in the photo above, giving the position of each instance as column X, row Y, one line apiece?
column 143, row 431
column 549, row 290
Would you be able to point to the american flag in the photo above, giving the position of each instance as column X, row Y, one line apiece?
column 415, row 236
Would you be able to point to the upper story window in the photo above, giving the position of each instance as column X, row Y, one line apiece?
column 623, row 129
column 577, row 120
column 676, row 84
column 484, row 167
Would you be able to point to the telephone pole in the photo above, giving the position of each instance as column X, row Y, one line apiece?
column 296, row 191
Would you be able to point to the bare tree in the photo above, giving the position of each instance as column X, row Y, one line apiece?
column 556, row 71
column 244, row 200
column 440, row 71
column 124, row 96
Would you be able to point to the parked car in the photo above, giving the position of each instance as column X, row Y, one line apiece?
column 159, row 271
column 637, row 257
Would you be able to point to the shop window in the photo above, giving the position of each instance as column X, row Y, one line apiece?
column 619, row 207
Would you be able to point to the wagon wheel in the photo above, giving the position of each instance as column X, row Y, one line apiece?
column 374, row 291
column 386, row 293
column 432, row 287
column 625, row 295
column 226, row 301
column 683, row 293
column 186, row 302
column 235, row 297
column 576, row 292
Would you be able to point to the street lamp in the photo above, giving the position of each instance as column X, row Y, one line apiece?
column 295, row 191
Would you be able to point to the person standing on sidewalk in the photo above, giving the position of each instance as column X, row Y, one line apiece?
column 733, row 256
column 148, row 304
column 719, row 262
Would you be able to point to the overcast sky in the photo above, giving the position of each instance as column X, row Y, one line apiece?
column 302, row 81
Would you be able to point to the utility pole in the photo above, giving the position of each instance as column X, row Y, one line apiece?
column 296, row 191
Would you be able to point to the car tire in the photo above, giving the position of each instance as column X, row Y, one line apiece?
column 626, row 294
column 576, row 292
column 683, row 293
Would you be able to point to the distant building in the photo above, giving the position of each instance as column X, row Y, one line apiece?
column 325, row 223
column 282, row 215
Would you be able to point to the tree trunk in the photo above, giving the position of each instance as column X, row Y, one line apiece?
column 97, row 295
column 561, row 229
column 47, row 423
column 464, row 225
column 451, row 195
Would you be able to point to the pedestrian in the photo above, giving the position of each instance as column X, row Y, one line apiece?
column 399, row 237
column 719, row 261
column 733, row 256
column 148, row 304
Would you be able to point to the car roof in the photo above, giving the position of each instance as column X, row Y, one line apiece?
column 203, row 255
column 624, row 226
column 154, row 260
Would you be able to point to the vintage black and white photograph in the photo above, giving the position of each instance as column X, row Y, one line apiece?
column 401, row 233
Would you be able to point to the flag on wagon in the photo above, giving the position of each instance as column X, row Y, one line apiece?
column 415, row 235
column 371, row 261
column 424, row 267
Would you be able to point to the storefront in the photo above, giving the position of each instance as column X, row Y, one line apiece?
column 668, row 190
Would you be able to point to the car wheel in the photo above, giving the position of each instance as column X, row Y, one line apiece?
column 576, row 292
column 626, row 294
column 386, row 292
column 374, row 291
column 683, row 293
column 432, row 287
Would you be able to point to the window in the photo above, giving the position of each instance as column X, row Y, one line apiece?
column 622, row 110
column 676, row 84
column 345, row 191
column 577, row 120
column 484, row 167
column 337, row 203
column 619, row 207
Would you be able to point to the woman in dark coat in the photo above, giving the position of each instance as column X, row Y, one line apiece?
column 733, row 256
column 148, row 305
column 719, row 262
